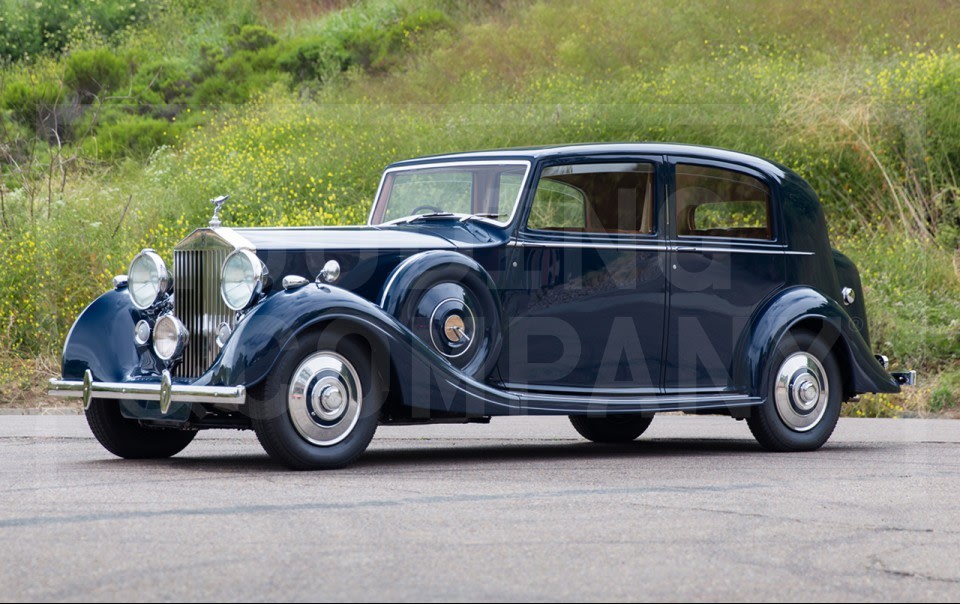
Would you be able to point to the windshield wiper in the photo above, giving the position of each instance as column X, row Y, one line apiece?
column 407, row 219
column 430, row 215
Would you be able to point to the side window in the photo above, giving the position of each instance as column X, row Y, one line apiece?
column 595, row 198
column 712, row 202
column 557, row 206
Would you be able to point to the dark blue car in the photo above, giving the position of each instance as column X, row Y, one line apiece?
column 602, row 282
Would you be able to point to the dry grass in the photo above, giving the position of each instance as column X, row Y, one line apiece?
column 281, row 14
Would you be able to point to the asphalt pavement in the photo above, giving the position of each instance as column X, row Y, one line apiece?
column 521, row 509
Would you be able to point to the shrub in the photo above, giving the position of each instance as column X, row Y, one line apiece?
column 164, row 81
column 315, row 58
column 131, row 136
column 31, row 29
column 252, row 37
column 27, row 98
column 33, row 102
column 90, row 72
column 376, row 46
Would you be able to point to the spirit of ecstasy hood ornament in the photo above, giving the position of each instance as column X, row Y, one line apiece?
column 217, row 204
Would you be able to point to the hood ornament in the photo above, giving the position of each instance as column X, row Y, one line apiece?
column 217, row 204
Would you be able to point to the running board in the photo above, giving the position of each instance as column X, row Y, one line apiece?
column 601, row 405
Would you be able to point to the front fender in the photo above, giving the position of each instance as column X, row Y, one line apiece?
column 424, row 378
column 806, row 305
column 101, row 340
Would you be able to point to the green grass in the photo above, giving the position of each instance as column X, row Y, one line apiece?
column 296, row 119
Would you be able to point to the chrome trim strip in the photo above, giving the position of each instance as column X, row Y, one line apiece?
column 148, row 391
column 633, row 400
column 743, row 250
column 444, row 164
column 393, row 277
column 586, row 245
column 648, row 247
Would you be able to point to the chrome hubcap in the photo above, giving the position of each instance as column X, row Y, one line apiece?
column 324, row 398
column 801, row 391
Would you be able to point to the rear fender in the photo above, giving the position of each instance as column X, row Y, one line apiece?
column 807, row 308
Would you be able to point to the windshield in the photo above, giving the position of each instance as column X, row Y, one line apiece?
column 487, row 189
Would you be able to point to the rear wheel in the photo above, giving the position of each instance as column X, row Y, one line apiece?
column 612, row 429
column 319, row 407
column 128, row 439
column 804, row 396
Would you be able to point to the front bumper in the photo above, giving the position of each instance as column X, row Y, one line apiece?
column 164, row 392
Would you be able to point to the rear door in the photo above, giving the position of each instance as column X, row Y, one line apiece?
column 726, row 258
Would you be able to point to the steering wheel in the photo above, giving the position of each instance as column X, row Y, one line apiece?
column 434, row 209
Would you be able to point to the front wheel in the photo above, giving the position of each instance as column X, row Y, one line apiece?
column 128, row 439
column 612, row 429
column 319, row 407
column 804, row 396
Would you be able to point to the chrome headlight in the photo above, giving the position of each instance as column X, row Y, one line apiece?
column 241, row 279
column 169, row 337
column 147, row 279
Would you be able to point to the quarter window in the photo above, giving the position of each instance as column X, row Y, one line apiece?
column 595, row 198
column 713, row 202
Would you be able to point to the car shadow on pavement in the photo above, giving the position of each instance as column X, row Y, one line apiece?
column 475, row 453
column 430, row 453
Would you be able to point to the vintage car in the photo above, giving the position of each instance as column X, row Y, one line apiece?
column 604, row 282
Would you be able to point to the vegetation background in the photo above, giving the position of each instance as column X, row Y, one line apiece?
column 119, row 119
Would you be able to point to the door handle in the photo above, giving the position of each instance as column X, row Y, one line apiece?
column 686, row 248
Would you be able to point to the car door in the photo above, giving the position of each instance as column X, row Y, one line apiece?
column 726, row 258
column 584, row 304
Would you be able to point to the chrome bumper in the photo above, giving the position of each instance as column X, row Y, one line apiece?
column 165, row 392
column 905, row 378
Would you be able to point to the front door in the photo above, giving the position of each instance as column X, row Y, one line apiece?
column 586, row 289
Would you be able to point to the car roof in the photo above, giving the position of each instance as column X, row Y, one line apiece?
column 676, row 149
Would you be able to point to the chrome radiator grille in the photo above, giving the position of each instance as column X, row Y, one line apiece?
column 197, row 303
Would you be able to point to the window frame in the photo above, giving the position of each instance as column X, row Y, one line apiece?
column 776, row 236
column 376, row 209
column 587, row 238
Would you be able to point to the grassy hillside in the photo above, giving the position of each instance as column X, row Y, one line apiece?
column 114, row 134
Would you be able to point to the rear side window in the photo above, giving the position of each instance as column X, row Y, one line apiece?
column 713, row 202
column 595, row 198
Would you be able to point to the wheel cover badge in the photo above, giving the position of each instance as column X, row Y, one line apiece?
column 452, row 326
column 801, row 391
column 324, row 398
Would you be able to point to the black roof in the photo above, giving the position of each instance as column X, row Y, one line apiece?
column 534, row 153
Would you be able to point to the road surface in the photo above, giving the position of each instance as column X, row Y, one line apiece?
column 521, row 509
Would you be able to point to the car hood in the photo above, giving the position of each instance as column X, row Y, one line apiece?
column 343, row 238
column 366, row 254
